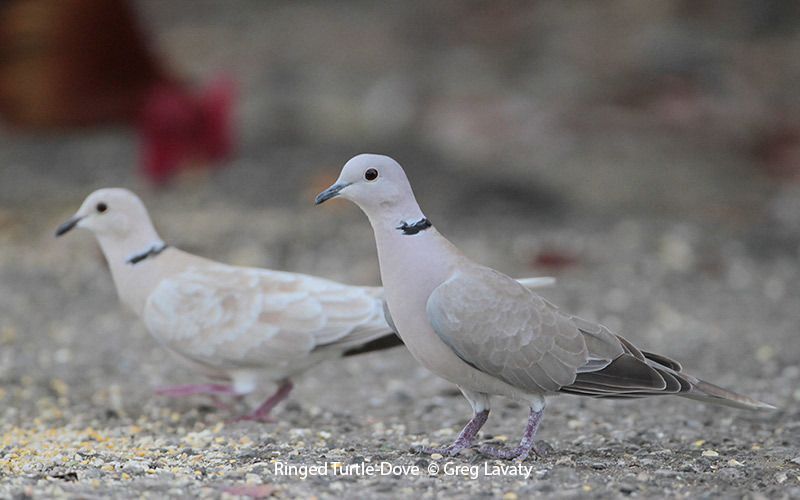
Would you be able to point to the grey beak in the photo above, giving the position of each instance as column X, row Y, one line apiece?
column 67, row 226
column 331, row 192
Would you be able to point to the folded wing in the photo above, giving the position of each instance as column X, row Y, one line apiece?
column 500, row 327
column 234, row 317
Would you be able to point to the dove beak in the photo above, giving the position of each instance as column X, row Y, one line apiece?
column 331, row 192
column 68, row 225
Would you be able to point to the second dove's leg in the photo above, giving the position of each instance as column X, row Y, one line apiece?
column 465, row 438
column 525, row 445
column 262, row 413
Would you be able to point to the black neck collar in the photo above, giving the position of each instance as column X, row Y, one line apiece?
column 414, row 227
column 153, row 251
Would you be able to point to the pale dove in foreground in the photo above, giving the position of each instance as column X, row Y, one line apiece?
column 238, row 326
column 482, row 331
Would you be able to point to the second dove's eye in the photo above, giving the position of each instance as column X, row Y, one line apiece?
column 371, row 174
column 102, row 207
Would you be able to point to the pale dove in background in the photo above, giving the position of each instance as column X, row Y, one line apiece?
column 482, row 331
column 238, row 326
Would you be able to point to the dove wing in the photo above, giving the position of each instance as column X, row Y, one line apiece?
column 500, row 327
column 234, row 317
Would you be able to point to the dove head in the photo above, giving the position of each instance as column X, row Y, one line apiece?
column 377, row 184
column 111, row 213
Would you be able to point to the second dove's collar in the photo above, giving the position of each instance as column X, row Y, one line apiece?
column 154, row 250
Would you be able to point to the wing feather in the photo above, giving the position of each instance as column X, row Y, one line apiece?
column 502, row 328
column 235, row 317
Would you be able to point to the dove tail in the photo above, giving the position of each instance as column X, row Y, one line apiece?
column 638, row 374
column 710, row 393
column 379, row 344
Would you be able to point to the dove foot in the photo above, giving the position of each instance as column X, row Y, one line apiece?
column 262, row 413
column 464, row 439
column 526, row 445
column 178, row 391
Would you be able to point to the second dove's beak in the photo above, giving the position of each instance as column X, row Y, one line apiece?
column 68, row 226
column 331, row 192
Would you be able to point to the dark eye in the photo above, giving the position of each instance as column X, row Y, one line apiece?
column 371, row 174
column 102, row 207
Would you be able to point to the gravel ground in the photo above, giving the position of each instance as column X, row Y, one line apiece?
column 78, row 416
column 667, row 235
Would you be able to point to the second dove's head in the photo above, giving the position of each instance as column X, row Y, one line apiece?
column 370, row 181
column 108, row 212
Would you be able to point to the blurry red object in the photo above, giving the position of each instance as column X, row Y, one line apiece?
column 553, row 260
column 70, row 63
column 778, row 152
column 179, row 128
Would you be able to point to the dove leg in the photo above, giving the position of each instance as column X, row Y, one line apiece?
column 465, row 438
column 526, row 444
column 262, row 413
column 177, row 391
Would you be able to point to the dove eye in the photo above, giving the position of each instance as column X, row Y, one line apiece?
column 102, row 207
column 371, row 174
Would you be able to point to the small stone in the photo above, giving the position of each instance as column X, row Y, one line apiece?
column 510, row 496
column 765, row 353
column 598, row 465
column 565, row 461
column 134, row 467
column 436, row 456
column 710, row 453
column 574, row 424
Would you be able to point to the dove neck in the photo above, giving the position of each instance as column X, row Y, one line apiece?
column 133, row 281
column 411, row 264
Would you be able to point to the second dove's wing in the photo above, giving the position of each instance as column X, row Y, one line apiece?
column 503, row 329
column 234, row 317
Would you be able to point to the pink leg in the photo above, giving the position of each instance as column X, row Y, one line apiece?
column 262, row 413
column 465, row 437
column 178, row 391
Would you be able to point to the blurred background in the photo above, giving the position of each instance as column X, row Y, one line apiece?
column 645, row 153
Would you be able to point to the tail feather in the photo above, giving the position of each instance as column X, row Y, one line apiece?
column 637, row 374
column 710, row 393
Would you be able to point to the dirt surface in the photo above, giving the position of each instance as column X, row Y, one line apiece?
column 79, row 417
column 680, row 245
